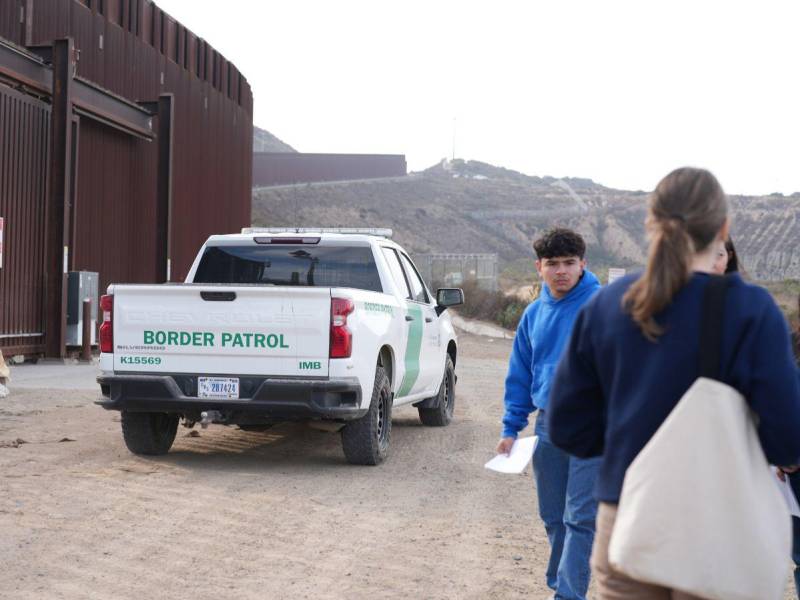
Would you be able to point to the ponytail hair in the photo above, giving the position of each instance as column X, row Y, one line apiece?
column 686, row 211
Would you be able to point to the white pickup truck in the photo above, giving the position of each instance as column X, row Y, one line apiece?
column 274, row 325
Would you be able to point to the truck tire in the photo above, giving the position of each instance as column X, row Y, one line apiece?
column 149, row 433
column 442, row 412
column 366, row 440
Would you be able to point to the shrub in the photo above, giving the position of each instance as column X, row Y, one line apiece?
column 495, row 307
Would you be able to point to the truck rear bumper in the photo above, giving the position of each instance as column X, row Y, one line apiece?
column 267, row 399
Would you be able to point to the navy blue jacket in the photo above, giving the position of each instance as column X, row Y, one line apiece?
column 613, row 388
column 541, row 336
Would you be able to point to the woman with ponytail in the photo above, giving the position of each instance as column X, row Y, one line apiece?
column 635, row 351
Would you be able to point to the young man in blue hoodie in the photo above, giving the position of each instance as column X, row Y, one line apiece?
column 563, row 483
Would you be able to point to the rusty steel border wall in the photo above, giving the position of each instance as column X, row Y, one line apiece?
column 128, row 54
column 24, row 139
column 286, row 168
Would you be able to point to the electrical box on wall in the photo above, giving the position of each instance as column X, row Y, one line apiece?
column 80, row 285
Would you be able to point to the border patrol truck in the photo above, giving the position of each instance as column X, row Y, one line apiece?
column 330, row 326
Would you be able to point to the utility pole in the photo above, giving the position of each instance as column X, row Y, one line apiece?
column 454, row 138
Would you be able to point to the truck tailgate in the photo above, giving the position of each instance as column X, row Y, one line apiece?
column 222, row 330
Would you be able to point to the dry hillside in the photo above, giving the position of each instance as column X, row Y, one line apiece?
column 475, row 207
column 264, row 141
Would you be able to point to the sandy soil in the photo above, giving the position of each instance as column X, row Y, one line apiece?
column 279, row 514
column 265, row 515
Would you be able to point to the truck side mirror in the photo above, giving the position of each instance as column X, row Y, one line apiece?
column 446, row 297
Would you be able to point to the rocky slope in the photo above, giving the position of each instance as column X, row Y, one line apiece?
column 467, row 207
column 264, row 141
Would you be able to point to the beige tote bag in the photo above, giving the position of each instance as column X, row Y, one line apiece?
column 700, row 511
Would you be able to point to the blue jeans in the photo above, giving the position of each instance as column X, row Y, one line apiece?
column 794, row 480
column 564, row 485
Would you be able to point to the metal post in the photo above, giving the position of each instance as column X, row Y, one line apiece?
column 86, row 334
column 28, row 22
column 166, row 115
column 164, row 109
column 57, row 211
column 74, row 208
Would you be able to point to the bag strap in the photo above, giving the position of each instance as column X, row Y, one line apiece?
column 711, row 321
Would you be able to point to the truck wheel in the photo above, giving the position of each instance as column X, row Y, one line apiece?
column 366, row 440
column 442, row 412
column 149, row 433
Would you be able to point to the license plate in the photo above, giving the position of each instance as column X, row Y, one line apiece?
column 218, row 387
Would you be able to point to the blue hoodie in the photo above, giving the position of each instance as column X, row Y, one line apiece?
column 541, row 337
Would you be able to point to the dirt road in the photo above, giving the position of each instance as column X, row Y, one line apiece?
column 231, row 514
column 271, row 515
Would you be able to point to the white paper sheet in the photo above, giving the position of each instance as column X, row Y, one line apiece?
column 519, row 457
column 788, row 494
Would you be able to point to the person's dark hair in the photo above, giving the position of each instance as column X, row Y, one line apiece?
column 559, row 242
column 686, row 212
column 733, row 258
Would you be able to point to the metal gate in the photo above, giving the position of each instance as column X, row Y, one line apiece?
column 24, row 148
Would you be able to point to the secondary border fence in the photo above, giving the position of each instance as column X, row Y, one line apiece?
column 452, row 270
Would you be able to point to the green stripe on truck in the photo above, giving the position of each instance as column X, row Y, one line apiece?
column 413, row 349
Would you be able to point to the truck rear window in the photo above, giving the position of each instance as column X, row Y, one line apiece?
column 318, row 266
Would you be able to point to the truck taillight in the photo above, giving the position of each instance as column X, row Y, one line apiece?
column 341, row 337
column 106, row 329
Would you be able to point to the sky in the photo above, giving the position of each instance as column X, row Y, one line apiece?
column 617, row 91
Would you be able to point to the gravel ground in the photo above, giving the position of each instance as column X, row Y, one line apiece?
column 265, row 515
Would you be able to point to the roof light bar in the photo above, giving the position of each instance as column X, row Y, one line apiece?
column 286, row 240
column 376, row 231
